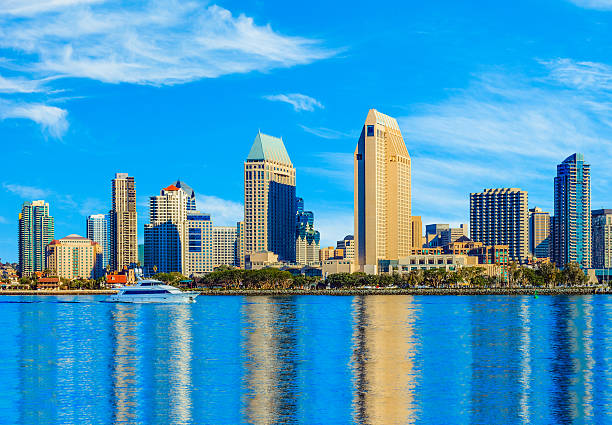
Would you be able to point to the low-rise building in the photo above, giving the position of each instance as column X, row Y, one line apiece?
column 448, row 262
column 338, row 265
column 326, row 252
column 48, row 284
column 75, row 257
column 261, row 260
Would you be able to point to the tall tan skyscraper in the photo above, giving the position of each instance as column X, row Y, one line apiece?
column 123, row 225
column 269, row 199
column 382, row 193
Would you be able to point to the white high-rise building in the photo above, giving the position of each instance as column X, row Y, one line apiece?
column 166, row 233
column 98, row 231
column 199, row 250
column 225, row 239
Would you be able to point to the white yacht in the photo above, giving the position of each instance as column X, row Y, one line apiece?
column 151, row 291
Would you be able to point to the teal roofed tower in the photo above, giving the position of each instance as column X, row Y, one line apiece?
column 269, row 148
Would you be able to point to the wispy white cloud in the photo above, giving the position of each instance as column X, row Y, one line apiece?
column 160, row 42
column 580, row 75
column 328, row 133
column 51, row 118
column 26, row 192
column 154, row 42
column 594, row 4
column 508, row 131
column 30, row 7
column 223, row 212
column 300, row 102
column 19, row 85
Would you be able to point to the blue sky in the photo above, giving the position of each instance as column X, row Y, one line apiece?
column 488, row 94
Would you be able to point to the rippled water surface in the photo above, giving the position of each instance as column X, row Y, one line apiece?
column 307, row 359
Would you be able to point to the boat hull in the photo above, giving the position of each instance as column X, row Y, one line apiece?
column 184, row 298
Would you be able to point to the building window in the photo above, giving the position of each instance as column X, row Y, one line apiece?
column 370, row 130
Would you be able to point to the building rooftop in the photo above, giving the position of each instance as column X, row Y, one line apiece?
column 73, row 237
column 268, row 148
column 172, row 188
column 186, row 188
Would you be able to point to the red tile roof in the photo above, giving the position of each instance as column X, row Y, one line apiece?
column 48, row 280
column 172, row 187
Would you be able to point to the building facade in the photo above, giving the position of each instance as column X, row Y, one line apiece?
column 225, row 242
column 501, row 217
column 97, row 230
column 602, row 238
column 572, row 225
column 241, row 244
column 199, row 252
column 75, row 257
column 347, row 245
column 306, row 237
column 417, row 231
column 191, row 198
column 452, row 234
column 165, row 235
column 433, row 234
column 269, row 199
column 382, row 197
column 539, row 233
column 36, row 231
column 123, row 223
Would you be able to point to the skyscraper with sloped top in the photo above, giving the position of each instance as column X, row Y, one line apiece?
column 382, row 198
column 269, row 199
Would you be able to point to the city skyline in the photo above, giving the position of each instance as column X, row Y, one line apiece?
column 495, row 121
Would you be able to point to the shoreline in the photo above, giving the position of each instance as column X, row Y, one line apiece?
column 349, row 292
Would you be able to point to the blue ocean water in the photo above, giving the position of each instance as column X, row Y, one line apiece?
column 307, row 359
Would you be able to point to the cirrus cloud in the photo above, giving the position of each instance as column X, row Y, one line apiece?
column 300, row 102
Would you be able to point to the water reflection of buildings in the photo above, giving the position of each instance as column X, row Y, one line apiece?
column 497, row 338
column 37, row 370
column 573, row 361
column 383, row 360
column 270, row 352
column 124, row 363
column 179, row 365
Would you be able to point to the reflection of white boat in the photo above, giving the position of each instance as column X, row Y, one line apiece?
column 151, row 291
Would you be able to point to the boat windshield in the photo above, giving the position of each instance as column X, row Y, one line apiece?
column 145, row 292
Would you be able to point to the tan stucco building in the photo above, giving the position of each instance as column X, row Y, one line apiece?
column 75, row 257
column 382, row 199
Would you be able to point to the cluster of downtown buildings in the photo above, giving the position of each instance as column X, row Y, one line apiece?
column 277, row 231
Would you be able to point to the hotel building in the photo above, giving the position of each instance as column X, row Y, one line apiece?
column 602, row 238
column 382, row 193
column 165, row 235
column 75, row 257
column 269, row 199
column 501, row 217
column 539, row 233
column 225, row 239
column 572, row 224
column 199, row 250
column 123, row 223
column 36, row 230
